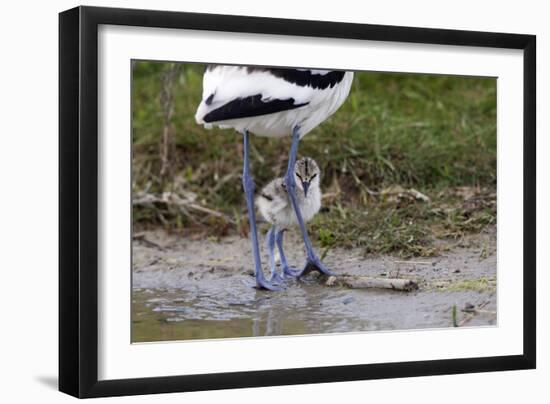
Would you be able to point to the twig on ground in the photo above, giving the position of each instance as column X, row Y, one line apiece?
column 413, row 262
column 141, row 237
column 365, row 282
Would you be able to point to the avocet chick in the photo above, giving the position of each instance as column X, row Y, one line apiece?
column 275, row 206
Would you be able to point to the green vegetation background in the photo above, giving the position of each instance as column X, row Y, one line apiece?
column 396, row 135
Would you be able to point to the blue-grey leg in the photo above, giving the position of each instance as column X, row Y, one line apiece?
column 249, row 186
column 270, row 241
column 313, row 263
column 287, row 270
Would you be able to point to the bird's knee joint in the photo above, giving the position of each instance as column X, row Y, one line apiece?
column 248, row 183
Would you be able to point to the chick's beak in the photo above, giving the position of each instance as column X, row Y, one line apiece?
column 305, row 186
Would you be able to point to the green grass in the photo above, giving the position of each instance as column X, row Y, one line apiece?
column 433, row 133
column 483, row 284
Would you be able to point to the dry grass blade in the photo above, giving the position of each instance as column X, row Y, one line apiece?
column 174, row 200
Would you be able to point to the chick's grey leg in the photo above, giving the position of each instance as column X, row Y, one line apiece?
column 270, row 241
column 287, row 270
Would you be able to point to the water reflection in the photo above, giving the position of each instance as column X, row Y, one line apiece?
column 163, row 314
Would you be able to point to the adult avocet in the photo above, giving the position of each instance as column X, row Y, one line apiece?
column 272, row 102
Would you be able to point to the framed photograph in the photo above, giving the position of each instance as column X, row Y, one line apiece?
column 253, row 201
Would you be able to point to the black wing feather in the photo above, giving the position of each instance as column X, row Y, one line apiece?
column 249, row 107
column 304, row 78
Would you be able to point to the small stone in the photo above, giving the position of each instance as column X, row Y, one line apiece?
column 348, row 300
column 331, row 281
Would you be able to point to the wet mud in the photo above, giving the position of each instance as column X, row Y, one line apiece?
column 201, row 289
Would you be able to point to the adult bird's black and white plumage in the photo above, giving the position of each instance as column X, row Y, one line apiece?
column 272, row 102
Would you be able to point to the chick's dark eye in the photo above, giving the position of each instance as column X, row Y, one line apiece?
column 299, row 176
column 313, row 176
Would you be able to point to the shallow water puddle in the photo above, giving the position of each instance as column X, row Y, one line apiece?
column 160, row 314
column 193, row 291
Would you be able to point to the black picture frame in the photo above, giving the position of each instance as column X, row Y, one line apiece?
column 78, row 201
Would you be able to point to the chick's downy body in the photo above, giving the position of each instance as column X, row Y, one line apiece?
column 274, row 202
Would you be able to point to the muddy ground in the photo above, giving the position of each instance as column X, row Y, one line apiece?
column 200, row 289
